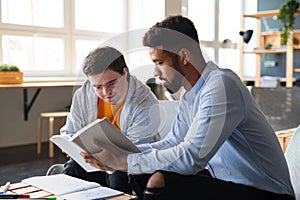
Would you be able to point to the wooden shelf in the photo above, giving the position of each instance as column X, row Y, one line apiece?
column 273, row 38
column 261, row 51
column 268, row 13
column 270, row 51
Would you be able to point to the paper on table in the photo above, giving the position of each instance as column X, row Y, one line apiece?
column 95, row 193
column 72, row 188
column 60, row 184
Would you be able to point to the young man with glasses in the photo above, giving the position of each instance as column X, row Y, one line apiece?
column 112, row 92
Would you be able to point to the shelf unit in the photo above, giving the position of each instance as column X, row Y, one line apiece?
column 273, row 38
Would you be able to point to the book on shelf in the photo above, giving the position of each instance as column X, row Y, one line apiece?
column 68, row 187
column 100, row 129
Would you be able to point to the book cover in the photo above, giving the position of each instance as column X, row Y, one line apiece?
column 102, row 130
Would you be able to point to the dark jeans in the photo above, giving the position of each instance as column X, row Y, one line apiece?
column 203, row 186
column 117, row 180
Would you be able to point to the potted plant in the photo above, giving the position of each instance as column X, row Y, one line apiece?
column 287, row 18
column 10, row 74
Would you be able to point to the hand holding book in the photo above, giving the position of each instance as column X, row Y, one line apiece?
column 109, row 158
column 94, row 138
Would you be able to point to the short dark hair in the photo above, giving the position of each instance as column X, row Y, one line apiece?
column 103, row 58
column 173, row 31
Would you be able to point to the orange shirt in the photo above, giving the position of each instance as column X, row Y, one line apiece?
column 111, row 112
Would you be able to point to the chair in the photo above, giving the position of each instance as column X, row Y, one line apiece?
column 293, row 160
column 51, row 116
column 168, row 112
column 55, row 169
column 284, row 137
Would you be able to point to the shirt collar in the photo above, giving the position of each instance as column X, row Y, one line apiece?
column 210, row 66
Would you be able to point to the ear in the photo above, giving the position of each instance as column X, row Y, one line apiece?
column 184, row 54
column 125, row 70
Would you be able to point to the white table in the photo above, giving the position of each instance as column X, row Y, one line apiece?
column 39, row 84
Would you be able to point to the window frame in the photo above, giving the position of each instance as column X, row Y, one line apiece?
column 67, row 33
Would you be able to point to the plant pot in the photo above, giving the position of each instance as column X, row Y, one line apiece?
column 11, row 77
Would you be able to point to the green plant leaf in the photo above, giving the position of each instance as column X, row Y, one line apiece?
column 9, row 68
column 286, row 16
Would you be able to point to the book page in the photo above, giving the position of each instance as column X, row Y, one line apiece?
column 72, row 150
column 95, row 193
column 60, row 184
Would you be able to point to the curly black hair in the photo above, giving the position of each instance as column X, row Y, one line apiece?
column 172, row 31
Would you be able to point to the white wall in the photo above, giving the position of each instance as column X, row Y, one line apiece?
column 14, row 130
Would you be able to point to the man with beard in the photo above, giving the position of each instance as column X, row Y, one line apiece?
column 220, row 145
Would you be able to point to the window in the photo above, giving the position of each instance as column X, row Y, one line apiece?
column 100, row 15
column 202, row 13
column 33, row 12
column 32, row 35
column 218, row 25
column 52, row 37
column 82, row 48
column 32, row 54
column 229, row 20
column 143, row 15
column 229, row 28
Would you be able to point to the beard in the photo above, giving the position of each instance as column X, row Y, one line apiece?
column 172, row 88
column 175, row 84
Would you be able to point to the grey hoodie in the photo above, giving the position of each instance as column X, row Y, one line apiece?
column 139, row 119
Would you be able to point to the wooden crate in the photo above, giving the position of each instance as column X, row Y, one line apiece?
column 11, row 77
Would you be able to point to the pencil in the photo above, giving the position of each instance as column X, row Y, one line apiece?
column 5, row 188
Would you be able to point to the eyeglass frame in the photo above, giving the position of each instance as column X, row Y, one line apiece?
column 110, row 85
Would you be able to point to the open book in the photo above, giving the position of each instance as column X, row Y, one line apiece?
column 68, row 187
column 102, row 130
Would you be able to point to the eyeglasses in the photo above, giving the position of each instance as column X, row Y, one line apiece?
column 110, row 85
